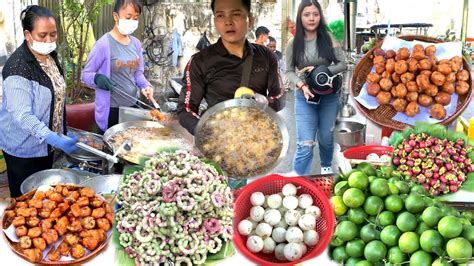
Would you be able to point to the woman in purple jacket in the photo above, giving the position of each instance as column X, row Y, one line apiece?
column 116, row 61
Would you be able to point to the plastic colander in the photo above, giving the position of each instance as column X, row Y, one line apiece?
column 273, row 184
column 361, row 152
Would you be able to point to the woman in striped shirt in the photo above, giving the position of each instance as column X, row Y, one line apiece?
column 32, row 116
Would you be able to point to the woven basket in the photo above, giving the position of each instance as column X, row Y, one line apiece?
column 383, row 115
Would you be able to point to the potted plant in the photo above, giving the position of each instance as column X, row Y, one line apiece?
column 76, row 18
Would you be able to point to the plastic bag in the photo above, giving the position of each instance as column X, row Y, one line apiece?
column 203, row 42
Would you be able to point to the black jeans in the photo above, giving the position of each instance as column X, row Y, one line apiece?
column 18, row 169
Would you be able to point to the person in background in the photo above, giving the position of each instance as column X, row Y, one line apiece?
column 261, row 35
column 215, row 73
column 313, row 46
column 116, row 61
column 32, row 116
column 281, row 63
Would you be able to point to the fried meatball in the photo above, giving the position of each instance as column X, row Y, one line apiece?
column 87, row 192
column 451, row 77
column 50, row 205
column 63, row 249
column 54, row 255
column 406, row 77
column 403, row 53
column 418, row 52
column 96, row 202
column 25, row 242
column 384, row 97
column 401, row 67
column 423, row 82
column 399, row 91
column 56, row 213
column 443, row 98
column 35, row 203
column 390, row 53
column 21, row 204
column 396, row 77
column 34, row 232
column 373, row 78
column 456, row 59
column 425, row 64
column 462, row 87
column 72, row 197
column 90, row 243
column 50, row 236
column 412, row 87
column 65, row 192
column 103, row 224
column 55, row 196
column 61, row 230
column 427, row 73
column 412, row 109
column 379, row 68
column 448, row 87
column 386, row 84
column 88, row 222
column 412, row 65
column 432, row 90
column 39, row 195
column 379, row 59
column 437, row 111
column 386, row 75
column 412, row 96
column 373, row 89
column 399, row 105
column 26, row 212
column 46, row 224
column 75, row 226
column 430, row 50
column 33, row 254
column 82, row 201
column 77, row 251
column 98, row 212
column 425, row 100
column 64, row 206
column 33, row 221
column 379, row 52
column 21, row 231
column 86, row 211
column 463, row 75
column 71, row 239
column 39, row 243
column 437, row 78
column 445, row 68
column 110, row 217
column 19, row 221
column 76, row 210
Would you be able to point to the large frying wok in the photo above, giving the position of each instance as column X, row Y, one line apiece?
column 200, row 136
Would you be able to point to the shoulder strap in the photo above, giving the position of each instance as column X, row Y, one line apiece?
column 244, row 81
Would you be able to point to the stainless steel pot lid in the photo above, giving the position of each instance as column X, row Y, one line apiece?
column 245, row 138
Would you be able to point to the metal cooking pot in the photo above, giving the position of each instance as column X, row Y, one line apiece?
column 50, row 177
column 103, row 184
column 246, row 103
column 349, row 134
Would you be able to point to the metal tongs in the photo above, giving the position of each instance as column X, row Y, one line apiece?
column 136, row 100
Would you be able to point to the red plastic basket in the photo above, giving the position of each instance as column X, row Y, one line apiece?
column 273, row 184
column 361, row 152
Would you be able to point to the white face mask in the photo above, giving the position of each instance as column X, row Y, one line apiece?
column 43, row 48
column 127, row 26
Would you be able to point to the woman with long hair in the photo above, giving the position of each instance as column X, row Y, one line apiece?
column 313, row 46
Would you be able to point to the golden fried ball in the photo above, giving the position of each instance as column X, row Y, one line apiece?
column 399, row 105
column 386, row 75
column 412, row 109
column 412, row 96
column 373, row 89
column 430, row 50
column 384, row 97
column 426, row 73
column 379, row 59
column 418, row 52
column 432, row 90
column 462, row 87
column 379, row 67
column 396, row 77
column 463, row 75
column 445, row 68
column 412, row 87
column 412, row 65
column 451, row 77
column 399, row 91
column 448, row 87
column 437, row 111
column 385, row 84
column 373, row 77
column 425, row 100
column 390, row 53
column 456, row 59
column 379, row 52
column 437, row 78
column 403, row 53
column 390, row 65
column 401, row 67
column 406, row 77
column 425, row 64
column 423, row 81
column 443, row 98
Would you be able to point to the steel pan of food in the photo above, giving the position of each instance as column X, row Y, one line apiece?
column 64, row 224
column 146, row 139
column 244, row 138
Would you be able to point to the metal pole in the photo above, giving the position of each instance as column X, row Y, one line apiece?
column 465, row 11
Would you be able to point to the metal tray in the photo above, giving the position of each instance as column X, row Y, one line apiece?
column 246, row 103
column 103, row 184
column 81, row 154
column 49, row 177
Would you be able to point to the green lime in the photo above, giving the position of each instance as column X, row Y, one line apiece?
column 450, row 227
column 351, row 261
column 357, row 215
column 422, row 227
column 339, row 254
column 338, row 205
column 367, row 168
column 396, row 256
column 384, row 172
column 369, row 232
column 441, row 262
column 415, row 203
column 432, row 241
column 373, row 205
column 431, row 216
column 353, row 198
column 421, row 258
column 406, row 222
column 468, row 233
column 386, row 218
column 390, row 235
column 375, row 251
column 340, row 188
column 355, row 248
column 336, row 242
column 409, row 242
column 358, row 180
column 402, row 186
column 379, row 187
column 346, row 230
column 364, row 263
column 394, row 203
column 459, row 249
column 393, row 189
column 417, row 189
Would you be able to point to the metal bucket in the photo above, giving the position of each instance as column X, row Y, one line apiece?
column 349, row 134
